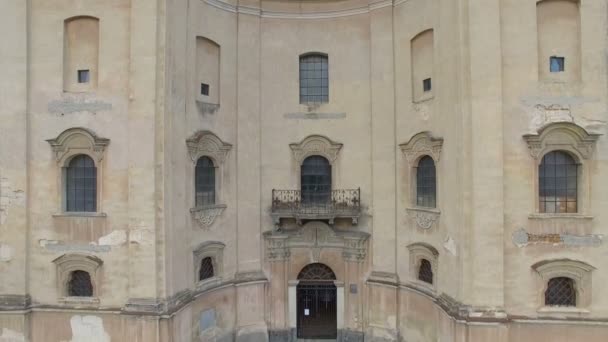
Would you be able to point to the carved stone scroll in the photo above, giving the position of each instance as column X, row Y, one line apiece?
column 316, row 145
column 422, row 144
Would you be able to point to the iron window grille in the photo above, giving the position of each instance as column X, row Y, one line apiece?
column 81, row 185
column 314, row 80
column 206, row 271
column 560, row 292
column 426, row 183
column 80, row 284
column 558, row 178
column 205, row 182
column 316, row 271
column 425, row 271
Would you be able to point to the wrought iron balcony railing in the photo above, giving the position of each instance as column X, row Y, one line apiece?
column 315, row 205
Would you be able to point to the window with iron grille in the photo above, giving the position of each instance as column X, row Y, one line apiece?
column 205, row 182
column 425, row 271
column 80, row 284
column 314, row 80
column 558, row 177
column 426, row 183
column 316, row 271
column 81, row 185
column 206, row 270
column 560, row 292
column 316, row 180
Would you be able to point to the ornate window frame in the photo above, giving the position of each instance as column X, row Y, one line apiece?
column 316, row 145
column 421, row 145
column 207, row 144
column 215, row 251
column 573, row 139
column 576, row 270
column 70, row 143
column 419, row 251
column 68, row 263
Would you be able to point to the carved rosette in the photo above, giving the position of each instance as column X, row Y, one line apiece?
column 205, row 143
column 424, row 218
column 561, row 135
column 205, row 216
column 422, row 144
column 316, row 145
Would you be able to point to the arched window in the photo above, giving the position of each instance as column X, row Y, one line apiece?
column 316, row 180
column 205, row 182
column 316, row 271
column 426, row 183
column 557, row 184
column 425, row 271
column 80, row 284
column 81, row 185
column 314, row 81
column 560, row 292
column 206, row 270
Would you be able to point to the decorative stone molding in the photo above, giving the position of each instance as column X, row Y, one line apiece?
column 68, row 263
column 576, row 270
column 315, row 145
column 561, row 136
column 424, row 217
column 78, row 140
column 316, row 236
column 422, row 144
column 418, row 252
column 205, row 216
column 205, row 143
column 213, row 250
column 9, row 302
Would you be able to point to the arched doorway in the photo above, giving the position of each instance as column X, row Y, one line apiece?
column 316, row 303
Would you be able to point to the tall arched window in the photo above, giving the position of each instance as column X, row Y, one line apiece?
column 560, row 292
column 80, row 284
column 316, row 180
column 426, row 183
column 81, row 184
column 425, row 271
column 557, row 183
column 314, row 80
column 205, row 182
column 206, row 271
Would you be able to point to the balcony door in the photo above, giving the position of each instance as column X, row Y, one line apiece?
column 315, row 180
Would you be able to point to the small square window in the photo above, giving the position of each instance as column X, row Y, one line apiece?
column 204, row 89
column 83, row 76
column 557, row 64
column 426, row 85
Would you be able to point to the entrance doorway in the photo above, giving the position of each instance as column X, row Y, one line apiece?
column 316, row 303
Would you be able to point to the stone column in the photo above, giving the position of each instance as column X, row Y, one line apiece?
column 251, row 325
column 382, row 318
column 14, row 167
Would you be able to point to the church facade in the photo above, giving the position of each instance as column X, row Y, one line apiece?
column 284, row 170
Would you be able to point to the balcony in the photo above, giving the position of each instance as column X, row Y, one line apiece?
column 312, row 205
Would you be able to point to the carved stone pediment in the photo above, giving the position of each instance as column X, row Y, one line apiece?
column 78, row 140
column 316, row 145
column 205, row 143
column 316, row 236
column 422, row 144
column 561, row 136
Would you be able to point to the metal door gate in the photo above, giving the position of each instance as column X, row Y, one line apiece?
column 317, row 310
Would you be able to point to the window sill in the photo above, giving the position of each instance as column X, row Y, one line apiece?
column 207, row 107
column 80, row 301
column 80, row 214
column 573, row 216
column 562, row 310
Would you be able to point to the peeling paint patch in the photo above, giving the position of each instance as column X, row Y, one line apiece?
column 6, row 252
column 9, row 198
column 521, row 238
column 141, row 235
column 115, row 238
column 9, row 335
column 60, row 246
column 450, row 245
column 88, row 329
column 76, row 104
